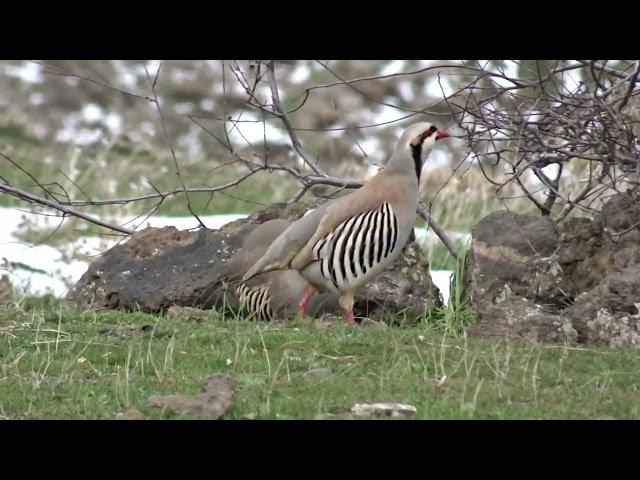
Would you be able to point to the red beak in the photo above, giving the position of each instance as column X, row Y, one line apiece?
column 441, row 134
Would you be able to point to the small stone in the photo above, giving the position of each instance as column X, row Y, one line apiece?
column 383, row 409
column 187, row 313
column 213, row 400
column 131, row 414
column 368, row 323
column 105, row 330
column 317, row 374
column 321, row 325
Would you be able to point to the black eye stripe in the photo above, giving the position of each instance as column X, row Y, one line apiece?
column 429, row 132
column 416, row 152
column 416, row 148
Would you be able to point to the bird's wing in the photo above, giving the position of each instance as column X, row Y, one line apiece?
column 367, row 198
column 294, row 248
column 254, row 247
column 287, row 245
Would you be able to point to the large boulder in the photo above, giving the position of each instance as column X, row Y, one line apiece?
column 511, row 279
column 6, row 289
column 402, row 293
column 578, row 282
column 601, row 261
column 158, row 268
column 610, row 312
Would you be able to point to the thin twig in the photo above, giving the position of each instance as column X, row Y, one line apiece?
column 26, row 196
column 439, row 231
column 169, row 144
column 278, row 110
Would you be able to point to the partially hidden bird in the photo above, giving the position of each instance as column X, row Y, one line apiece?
column 345, row 243
column 272, row 296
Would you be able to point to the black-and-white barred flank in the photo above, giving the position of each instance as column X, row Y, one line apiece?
column 357, row 245
column 255, row 301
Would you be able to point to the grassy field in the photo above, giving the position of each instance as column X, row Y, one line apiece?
column 61, row 364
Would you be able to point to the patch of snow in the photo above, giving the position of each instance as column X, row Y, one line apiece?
column 27, row 72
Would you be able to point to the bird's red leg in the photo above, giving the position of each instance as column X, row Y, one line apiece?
column 346, row 305
column 309, row 291
column 348, row 316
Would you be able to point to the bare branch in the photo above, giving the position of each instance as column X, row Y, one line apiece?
column 277, row 106
column 66, row 210
column 61, row 72
column 632, row 85
column 169, row 144
column 446, row 241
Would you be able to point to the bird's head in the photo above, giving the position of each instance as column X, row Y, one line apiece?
column 418, row 140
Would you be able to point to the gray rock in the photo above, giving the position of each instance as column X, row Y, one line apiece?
column 511, row 279
column 525, row 234
column 610, row 312
column 6, row 289
column 402, row 293
column 161, row 267
column 215, row 398
column 131, row 414
column 317, row 374
column 187, row 313
column 580, row 284
column 368, row 323
column 155, row 269
column 521, row 318
column 383, row 410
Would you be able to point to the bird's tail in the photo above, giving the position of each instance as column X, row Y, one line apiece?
column 259, row 267
column 273, row 259
column 283, row 250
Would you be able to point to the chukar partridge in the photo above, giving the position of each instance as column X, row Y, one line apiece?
column 342, row 245
column 273, row 296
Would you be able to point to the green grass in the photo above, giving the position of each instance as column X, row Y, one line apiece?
column 56, row 363
column 440, row 258
column 454, row 317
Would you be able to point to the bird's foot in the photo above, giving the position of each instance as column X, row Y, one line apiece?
column 348, row 317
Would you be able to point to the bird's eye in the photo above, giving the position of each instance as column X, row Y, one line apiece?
column 433, row 128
